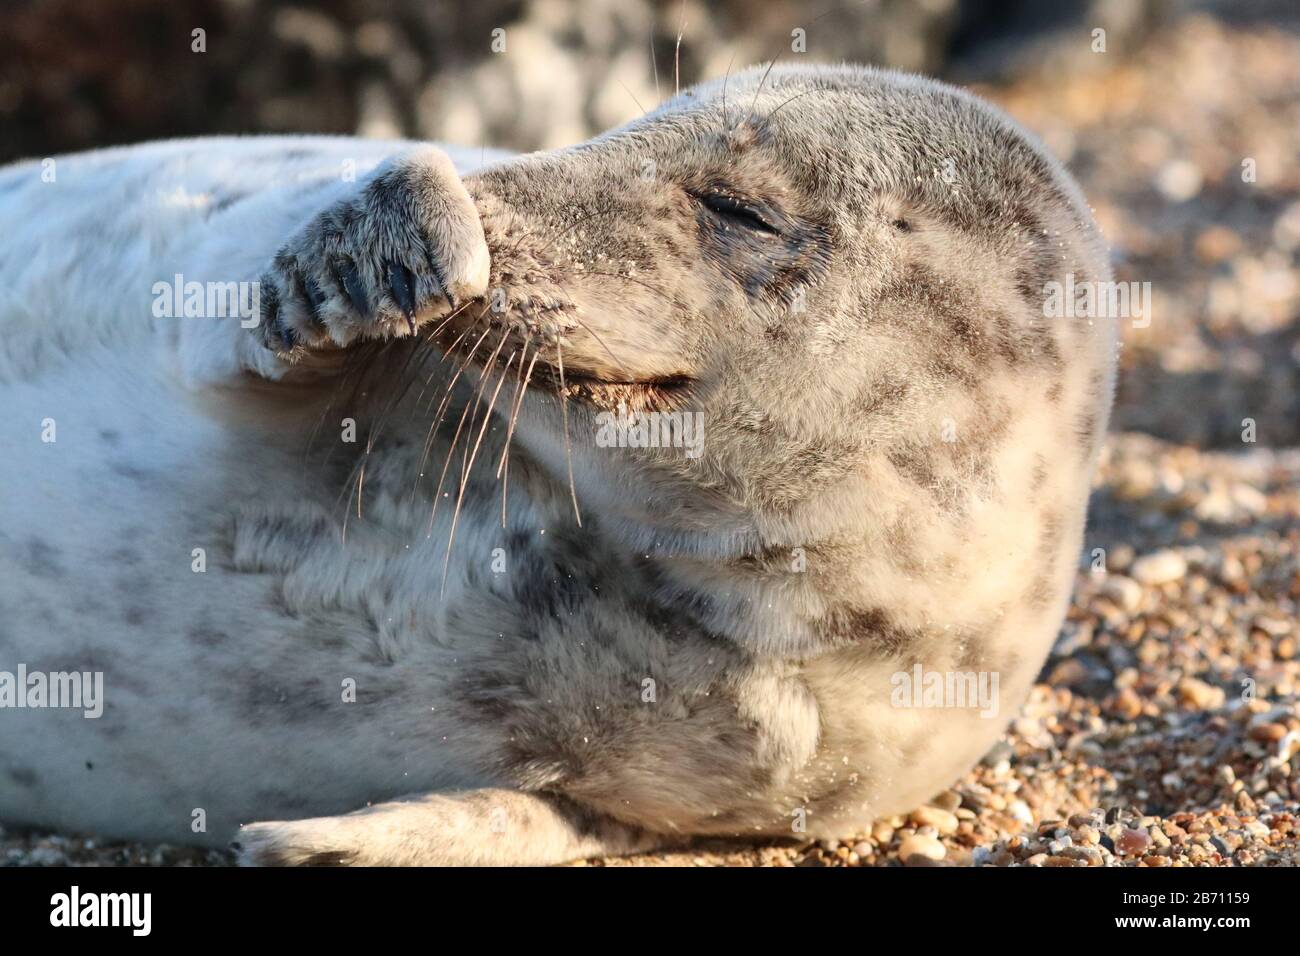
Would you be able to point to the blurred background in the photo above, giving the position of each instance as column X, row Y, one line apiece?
column 1157, row 127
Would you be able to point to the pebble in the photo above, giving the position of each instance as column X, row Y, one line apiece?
column 943, row 821
column 1019, row 810
column 1124, row 591
column 1090, row 854
column 1267, row 733
column 1132, row 842
column 1199, row 694
column 949, row 800
column 923, row 846
column 1160, row 567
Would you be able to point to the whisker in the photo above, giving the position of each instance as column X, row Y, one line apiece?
column 446, row 397
column 654, row 63
column 568, row 445
column 464, row 483
column 726, row 79
column 795, row 97
column 754, row 101
column 519, row 400
column 677, row 53
column 482, row 377
column 633, row 95
column 451, row 451
column 521, row 386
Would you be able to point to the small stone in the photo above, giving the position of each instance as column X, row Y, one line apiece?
column 1200, row 695
column 1090, row 855
column 943, row 821
column 1267, row 733
column 863, row 848
column 1019, row 810
column 1159, row 567
column 1272, row 626
column 1127, row 704
column 1216, row 244
column 1179, row 180
column 1132, row 842
column 1124, row 591
column 1157, row 861
column 1038, row 859
column 949, row 800
column 923, row 846
column 1257, row 829
column 882, row 832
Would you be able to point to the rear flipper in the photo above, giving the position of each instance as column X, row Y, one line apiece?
column 471, row 828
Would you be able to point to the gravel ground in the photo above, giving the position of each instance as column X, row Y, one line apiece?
column 1165, row 727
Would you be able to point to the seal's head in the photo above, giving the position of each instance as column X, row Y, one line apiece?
column 842, row 272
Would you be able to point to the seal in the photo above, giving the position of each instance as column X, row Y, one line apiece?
column 720, row 475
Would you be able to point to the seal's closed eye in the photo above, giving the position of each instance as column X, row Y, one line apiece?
column 741, row 211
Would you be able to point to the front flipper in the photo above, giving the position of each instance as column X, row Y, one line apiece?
column 405, row 249
column 470, row 828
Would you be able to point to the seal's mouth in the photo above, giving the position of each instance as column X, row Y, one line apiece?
column 657, row 394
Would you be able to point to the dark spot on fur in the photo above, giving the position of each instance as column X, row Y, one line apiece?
column 132, row 472
column 135, row 616
column 1085, row 430
column 207, row 635
column 44, row 560
column 1042, row 591
column 24, row 777
column 844, row 625
column 125, row 557
column 1038, row 477
column 264, row 699
column 883, row 394
column 975, row 652
column 223, row 201
column 1049, row 534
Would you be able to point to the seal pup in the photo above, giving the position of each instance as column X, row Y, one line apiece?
column 338, row 623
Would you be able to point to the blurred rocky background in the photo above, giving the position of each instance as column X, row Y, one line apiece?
column 1157, row 127
column 1183, row 127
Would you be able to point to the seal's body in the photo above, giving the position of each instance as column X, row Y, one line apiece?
column 314, row 580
